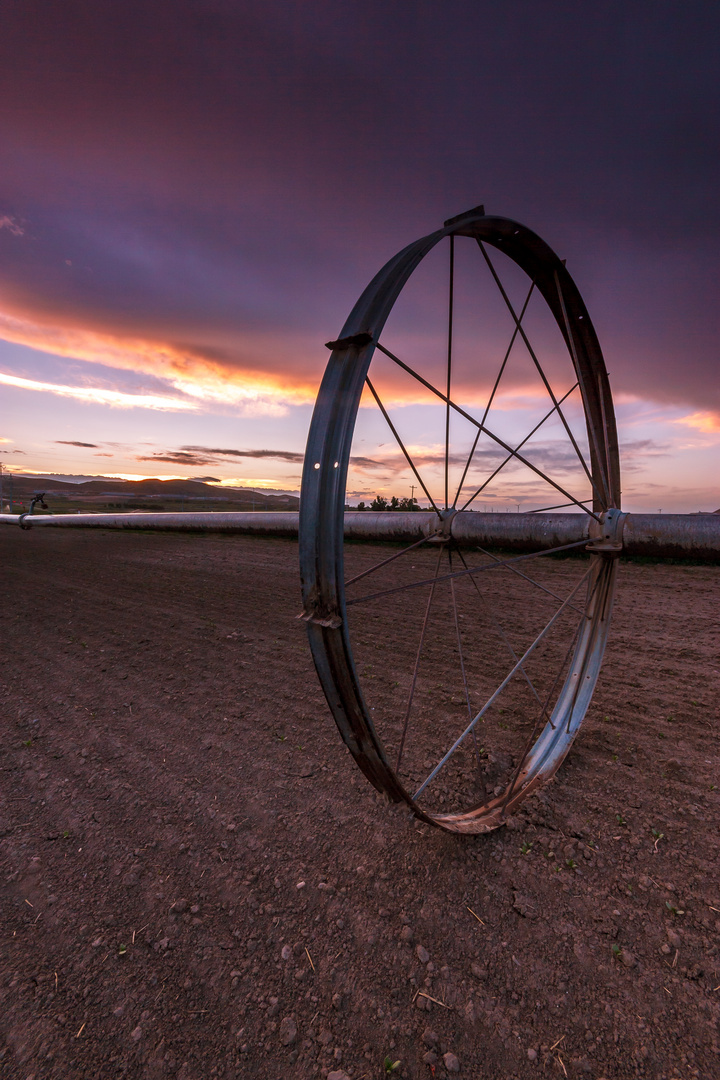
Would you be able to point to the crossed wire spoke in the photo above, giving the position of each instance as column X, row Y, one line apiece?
column 469, row 679
column 451, row 305
column 517, row 705
column 420, row 725
column 384, row 562
column 602, row 458
column 458, row 635
column 466, row 572
column 416, row 669
column 509, row 458
column 493, row 392
column 512, row 452
column 498, row 627
column 424, row 722
column 526, row 577
column 493, row 698
column 481, row 425
column 538, row 365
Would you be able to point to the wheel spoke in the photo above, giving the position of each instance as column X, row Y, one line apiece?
column 401, row 444
column 465, row 573
column 493, row 392
column 499, row 629
column 526, row 577
column 462, row 660
column 603, row 460
column 528, row 652
column 548, row 699
column 483, row 427
column 417, row 662
column 502, row 465
column 543, row 712
column 392, row 558
column 545, row 509
column 541, row 373
column 449, row 367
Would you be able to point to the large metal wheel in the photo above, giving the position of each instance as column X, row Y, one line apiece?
column 459, row 679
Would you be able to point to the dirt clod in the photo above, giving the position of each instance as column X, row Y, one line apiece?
column 288, row 1031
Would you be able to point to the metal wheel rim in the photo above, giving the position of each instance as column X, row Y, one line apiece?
column 323, row 500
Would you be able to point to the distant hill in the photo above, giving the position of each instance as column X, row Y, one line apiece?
column 24, row 487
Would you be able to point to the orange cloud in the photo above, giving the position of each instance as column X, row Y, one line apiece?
column 707, row 422
column 260, row 373
column 99, row 396
column 199, row 376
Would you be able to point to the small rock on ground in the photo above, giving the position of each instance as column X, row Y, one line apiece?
column 288, row 1031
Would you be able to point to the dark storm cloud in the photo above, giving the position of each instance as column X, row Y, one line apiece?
column 73, row 442
column 207, row 455
column 177, row 458
column 195, row 172
column 279, row 455
column 282, row 455
column 367, row 463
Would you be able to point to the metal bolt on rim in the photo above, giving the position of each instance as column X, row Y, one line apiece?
column 329, row 600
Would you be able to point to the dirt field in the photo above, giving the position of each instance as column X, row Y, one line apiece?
column 197, row 882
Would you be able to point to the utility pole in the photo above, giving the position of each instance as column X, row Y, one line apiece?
column 412, row 492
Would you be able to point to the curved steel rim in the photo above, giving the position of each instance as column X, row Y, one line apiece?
column 323, row 499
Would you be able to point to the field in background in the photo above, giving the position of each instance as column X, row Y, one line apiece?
column 151, row 496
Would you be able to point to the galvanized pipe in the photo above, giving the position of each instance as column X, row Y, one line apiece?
column 665, row 536
column 278, row 524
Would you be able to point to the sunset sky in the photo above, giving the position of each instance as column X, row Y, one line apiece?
column 193, row 195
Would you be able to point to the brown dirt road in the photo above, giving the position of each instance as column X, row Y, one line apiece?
column 197, row 882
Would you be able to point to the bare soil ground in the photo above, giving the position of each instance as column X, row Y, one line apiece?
column 196, row 881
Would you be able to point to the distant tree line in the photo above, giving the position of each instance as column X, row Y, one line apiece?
column 381, row 503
